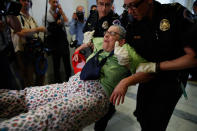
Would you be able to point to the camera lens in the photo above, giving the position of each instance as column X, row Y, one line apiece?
column 80, row 16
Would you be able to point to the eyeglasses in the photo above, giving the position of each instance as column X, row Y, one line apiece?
column 133, row 5
column 112, row 33
column 104, row 4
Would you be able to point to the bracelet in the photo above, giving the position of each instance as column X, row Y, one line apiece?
column 158, row 67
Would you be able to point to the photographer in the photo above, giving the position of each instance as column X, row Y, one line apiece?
column 77, row 24
column 25, row 47
column 7, row 21
column 57, row 40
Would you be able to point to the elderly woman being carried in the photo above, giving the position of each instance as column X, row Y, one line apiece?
column 76, row 103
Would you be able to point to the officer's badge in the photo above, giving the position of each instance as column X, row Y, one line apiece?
column 105, row 25
column 164, row 25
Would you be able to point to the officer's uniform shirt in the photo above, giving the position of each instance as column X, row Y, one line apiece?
column 100, row 25
column 163, row 38
column 158, row 40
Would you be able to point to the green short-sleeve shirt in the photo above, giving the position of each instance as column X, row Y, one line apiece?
column 112, row 72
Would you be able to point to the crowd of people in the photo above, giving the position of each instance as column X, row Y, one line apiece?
column 151, row 44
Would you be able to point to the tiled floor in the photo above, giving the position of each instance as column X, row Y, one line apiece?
column 184, row 117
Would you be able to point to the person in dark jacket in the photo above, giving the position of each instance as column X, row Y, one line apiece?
column 57, row 39
column 158, row 35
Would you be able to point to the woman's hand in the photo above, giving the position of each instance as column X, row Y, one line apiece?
column 119, row 92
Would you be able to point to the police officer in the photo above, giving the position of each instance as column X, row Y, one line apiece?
column 100, row 20
column 158, row 34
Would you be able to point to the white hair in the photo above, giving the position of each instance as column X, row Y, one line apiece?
column 122, row 30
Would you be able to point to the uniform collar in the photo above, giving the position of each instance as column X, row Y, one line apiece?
column 157, row 10
column 111, row 13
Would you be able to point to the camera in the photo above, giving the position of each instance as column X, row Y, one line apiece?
column 35, row 48
column 9, row 7
column 80, row 15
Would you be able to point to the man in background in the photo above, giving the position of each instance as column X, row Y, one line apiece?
column 57, row 40
column 76, row 25
column 159, row 34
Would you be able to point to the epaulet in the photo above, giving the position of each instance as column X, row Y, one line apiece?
column 173, row 9
column 176, row 7
column 184, row 11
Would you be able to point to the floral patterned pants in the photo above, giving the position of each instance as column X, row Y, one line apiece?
column 58, row 107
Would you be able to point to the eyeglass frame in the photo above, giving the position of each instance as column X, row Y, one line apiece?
column 132, row 5
column 112, row 33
